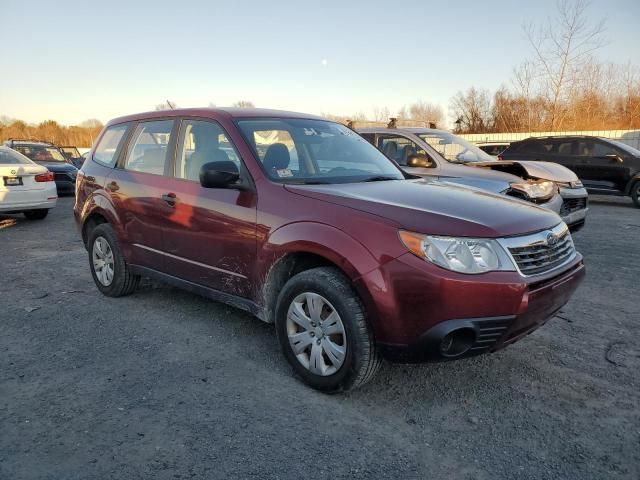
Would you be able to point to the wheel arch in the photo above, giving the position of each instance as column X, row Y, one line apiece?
column 302, row 246
column 96, row 211
column 631, row 183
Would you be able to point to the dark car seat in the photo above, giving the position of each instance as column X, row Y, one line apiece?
column 276, row 158
column 390, row 149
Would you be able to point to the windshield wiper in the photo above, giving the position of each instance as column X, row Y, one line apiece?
column 310, row 182
column 380, row 178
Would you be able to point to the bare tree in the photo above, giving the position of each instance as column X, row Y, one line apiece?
column 381, row 114
column 244, row 104
column 472, row 111
column 167, row 105
column 426, row 112
column 561, row 49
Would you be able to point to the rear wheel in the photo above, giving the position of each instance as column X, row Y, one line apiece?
column 36, row 214
column 110, row 272
column 323, row 332
column 635, row 193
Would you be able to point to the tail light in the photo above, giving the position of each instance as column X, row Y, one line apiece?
column 45, row 177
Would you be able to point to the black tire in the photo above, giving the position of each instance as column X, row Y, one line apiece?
column 361, row 360
column 36, row 214
column 635, row 193
column 123, row 281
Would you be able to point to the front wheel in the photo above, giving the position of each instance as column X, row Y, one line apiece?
column 36, row 214
column 635, row 193
column 110, row 272
column 323, row 332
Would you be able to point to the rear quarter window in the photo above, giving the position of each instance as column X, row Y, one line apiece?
column 110, row 144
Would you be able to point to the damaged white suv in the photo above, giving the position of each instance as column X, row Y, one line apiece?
column 429, row 152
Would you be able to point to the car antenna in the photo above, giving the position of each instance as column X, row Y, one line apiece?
column 393, row 122
column 351, row 124
column 172, row 106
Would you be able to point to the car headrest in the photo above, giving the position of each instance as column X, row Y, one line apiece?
column 407, row 151
column 390, row 149
column 277, row 157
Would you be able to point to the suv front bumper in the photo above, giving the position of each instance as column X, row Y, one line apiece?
column 574, row 207
column 415, row 313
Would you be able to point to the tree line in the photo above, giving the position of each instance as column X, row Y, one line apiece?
column 561, row 86
column 51, row 131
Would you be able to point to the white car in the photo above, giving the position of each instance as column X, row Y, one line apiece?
column 25, row 186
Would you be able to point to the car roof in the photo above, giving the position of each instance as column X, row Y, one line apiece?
column 560, row 137
column 28, row 142
column 230, row 112
column 414, row 130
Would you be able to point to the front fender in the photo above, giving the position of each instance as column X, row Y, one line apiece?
column 320, row 239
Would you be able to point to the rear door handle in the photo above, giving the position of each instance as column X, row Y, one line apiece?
column 170, row 198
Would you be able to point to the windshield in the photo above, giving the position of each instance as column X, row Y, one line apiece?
column 627, row 148
column 39, row 153
column 315, row 151
column 455, row 149
column 70, row 151
column 11, row 157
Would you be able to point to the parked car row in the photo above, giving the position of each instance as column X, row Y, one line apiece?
column 25, row 186
column 442, row 155
column 305, row 224
column 605, row 166
column 52, row 158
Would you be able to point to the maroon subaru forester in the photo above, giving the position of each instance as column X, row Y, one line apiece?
column 303, row 223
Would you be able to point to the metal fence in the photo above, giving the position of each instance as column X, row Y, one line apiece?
column 630, row 137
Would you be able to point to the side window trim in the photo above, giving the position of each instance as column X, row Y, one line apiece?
column 121, row 144
column 171, row 145
column 245, row 177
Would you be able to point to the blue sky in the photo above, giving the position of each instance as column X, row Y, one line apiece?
column 69, row 61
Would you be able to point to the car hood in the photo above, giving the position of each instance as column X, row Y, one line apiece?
column 60, row 167
column 483, row 178
column 542, row 170
column 433, row 207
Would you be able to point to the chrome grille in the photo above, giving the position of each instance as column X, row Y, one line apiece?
column 541, row 252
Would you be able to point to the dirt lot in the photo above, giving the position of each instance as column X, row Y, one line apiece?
column 166, row 384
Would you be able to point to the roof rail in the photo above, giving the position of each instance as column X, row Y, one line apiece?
column 559, row 136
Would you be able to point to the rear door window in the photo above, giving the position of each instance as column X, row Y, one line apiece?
column 564, row 147
column 593, row 148
column 109, row 145
column 147, row 152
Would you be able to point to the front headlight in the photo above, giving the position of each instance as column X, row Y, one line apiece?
column 536, row 190
column 464, row 255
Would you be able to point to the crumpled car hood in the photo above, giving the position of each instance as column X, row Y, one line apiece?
column 542, row 170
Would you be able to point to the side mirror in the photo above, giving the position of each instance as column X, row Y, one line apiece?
column 419, row 161
column 212, row 177
column 614, row 158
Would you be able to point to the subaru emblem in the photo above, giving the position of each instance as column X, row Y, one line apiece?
column 13, row 172
column 552, row 239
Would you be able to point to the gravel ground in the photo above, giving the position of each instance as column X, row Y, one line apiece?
column 166, row 384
